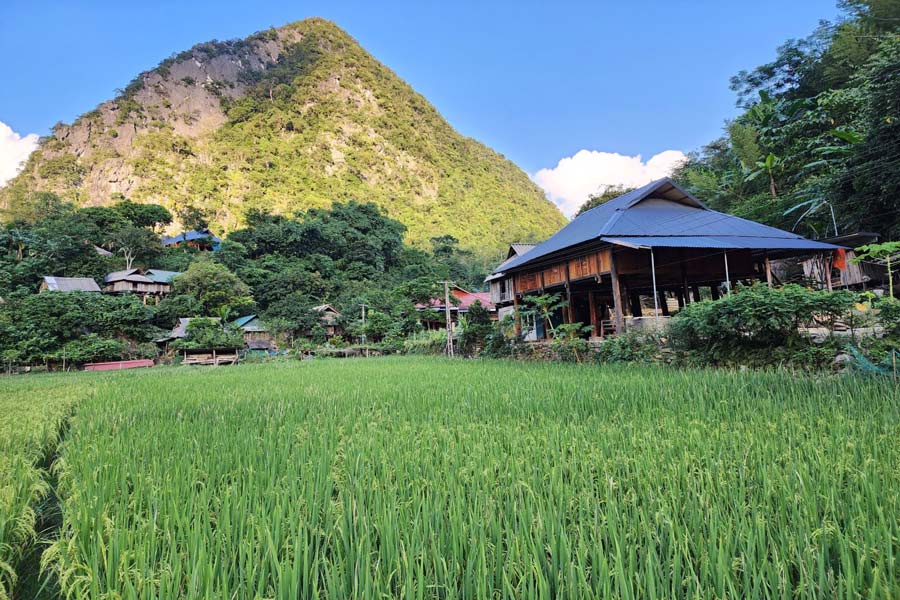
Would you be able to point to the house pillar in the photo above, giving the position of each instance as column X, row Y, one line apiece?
column 635, row 301
column 595, row 325
column 516, row 316
column 685, row 288
column 618, row 307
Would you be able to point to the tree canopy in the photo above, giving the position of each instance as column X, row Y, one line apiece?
column 819, row 133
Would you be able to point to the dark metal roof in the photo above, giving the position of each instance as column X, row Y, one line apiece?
column 723, row 242
column 663, row 214
column 190, row 236
column 515, row 251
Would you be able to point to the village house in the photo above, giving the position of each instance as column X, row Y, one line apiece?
column 151, row 284
column 627, row 263
column 328, row 318
column 202, row 239
column 68, row 284
column 256, row 334
column 434, row 313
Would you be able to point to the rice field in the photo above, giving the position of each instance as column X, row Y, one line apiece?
column 32, row 411
column 427, row 478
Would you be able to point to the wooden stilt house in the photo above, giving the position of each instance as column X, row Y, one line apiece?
column 628, row 262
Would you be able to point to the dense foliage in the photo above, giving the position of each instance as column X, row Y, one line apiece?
column 820, row 133
column 74, row 327
column 279, row 267
column 309, row 119
column 426, row 478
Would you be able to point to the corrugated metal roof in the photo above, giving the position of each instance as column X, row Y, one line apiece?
column 160, row 276
column 71, row 284
column 662, row 209
column 723, row 242
column 190, row 236
column 133, row 275
column 515, row 251
column 326, row 307
column 521, row 249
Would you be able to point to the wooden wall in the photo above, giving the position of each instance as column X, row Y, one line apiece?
column 587, row 265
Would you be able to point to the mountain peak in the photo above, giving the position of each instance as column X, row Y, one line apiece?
column 287, row 119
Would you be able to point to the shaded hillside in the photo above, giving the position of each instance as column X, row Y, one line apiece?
column 288, row 119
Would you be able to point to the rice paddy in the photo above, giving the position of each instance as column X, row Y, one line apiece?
column 32, row 412
column 427, row 478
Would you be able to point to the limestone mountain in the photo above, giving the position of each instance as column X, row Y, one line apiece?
column 285, row 120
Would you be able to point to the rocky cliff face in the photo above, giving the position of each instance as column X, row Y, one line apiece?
column 285, row 120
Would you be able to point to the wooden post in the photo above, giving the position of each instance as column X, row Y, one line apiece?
column 714, row 292
column 617, row 294
column 768, row 267
column 449, row 322
column 595, row 325
column 518, row 318
column 695, row 290
column 569, row 318
column 663, row 303
column 634, row 300
column 685, row 288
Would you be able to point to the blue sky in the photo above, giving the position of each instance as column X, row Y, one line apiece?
column 538, row 82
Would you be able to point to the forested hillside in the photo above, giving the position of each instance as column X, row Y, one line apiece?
column 286, row 120
column 820, row 132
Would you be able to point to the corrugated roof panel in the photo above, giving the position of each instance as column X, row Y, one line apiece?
column 662, row 209
column 161, row 276
column 721, row 242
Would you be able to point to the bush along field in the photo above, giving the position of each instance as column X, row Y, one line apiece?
column 416, row 477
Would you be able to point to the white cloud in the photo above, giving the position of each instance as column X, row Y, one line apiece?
column 14, row 149
column 574, row 178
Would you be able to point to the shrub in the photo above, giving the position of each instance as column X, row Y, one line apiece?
column 755, row 324
column 210, row 333
column 426, row 342
column 633, row 346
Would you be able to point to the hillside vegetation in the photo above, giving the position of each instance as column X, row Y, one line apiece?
column 288, row 119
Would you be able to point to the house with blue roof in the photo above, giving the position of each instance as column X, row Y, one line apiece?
column 639, row 256
column 202, row 239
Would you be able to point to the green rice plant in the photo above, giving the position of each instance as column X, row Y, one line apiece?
column 413, row 477
column 32, row 411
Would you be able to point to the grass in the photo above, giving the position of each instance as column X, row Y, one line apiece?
column 32, row 413
column 423, row 478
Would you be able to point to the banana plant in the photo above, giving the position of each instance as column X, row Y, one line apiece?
column 767, row 166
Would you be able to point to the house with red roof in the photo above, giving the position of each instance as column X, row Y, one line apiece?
column 461, row 301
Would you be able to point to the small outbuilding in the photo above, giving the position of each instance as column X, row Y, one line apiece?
column 68, row 284
column 256, row 334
